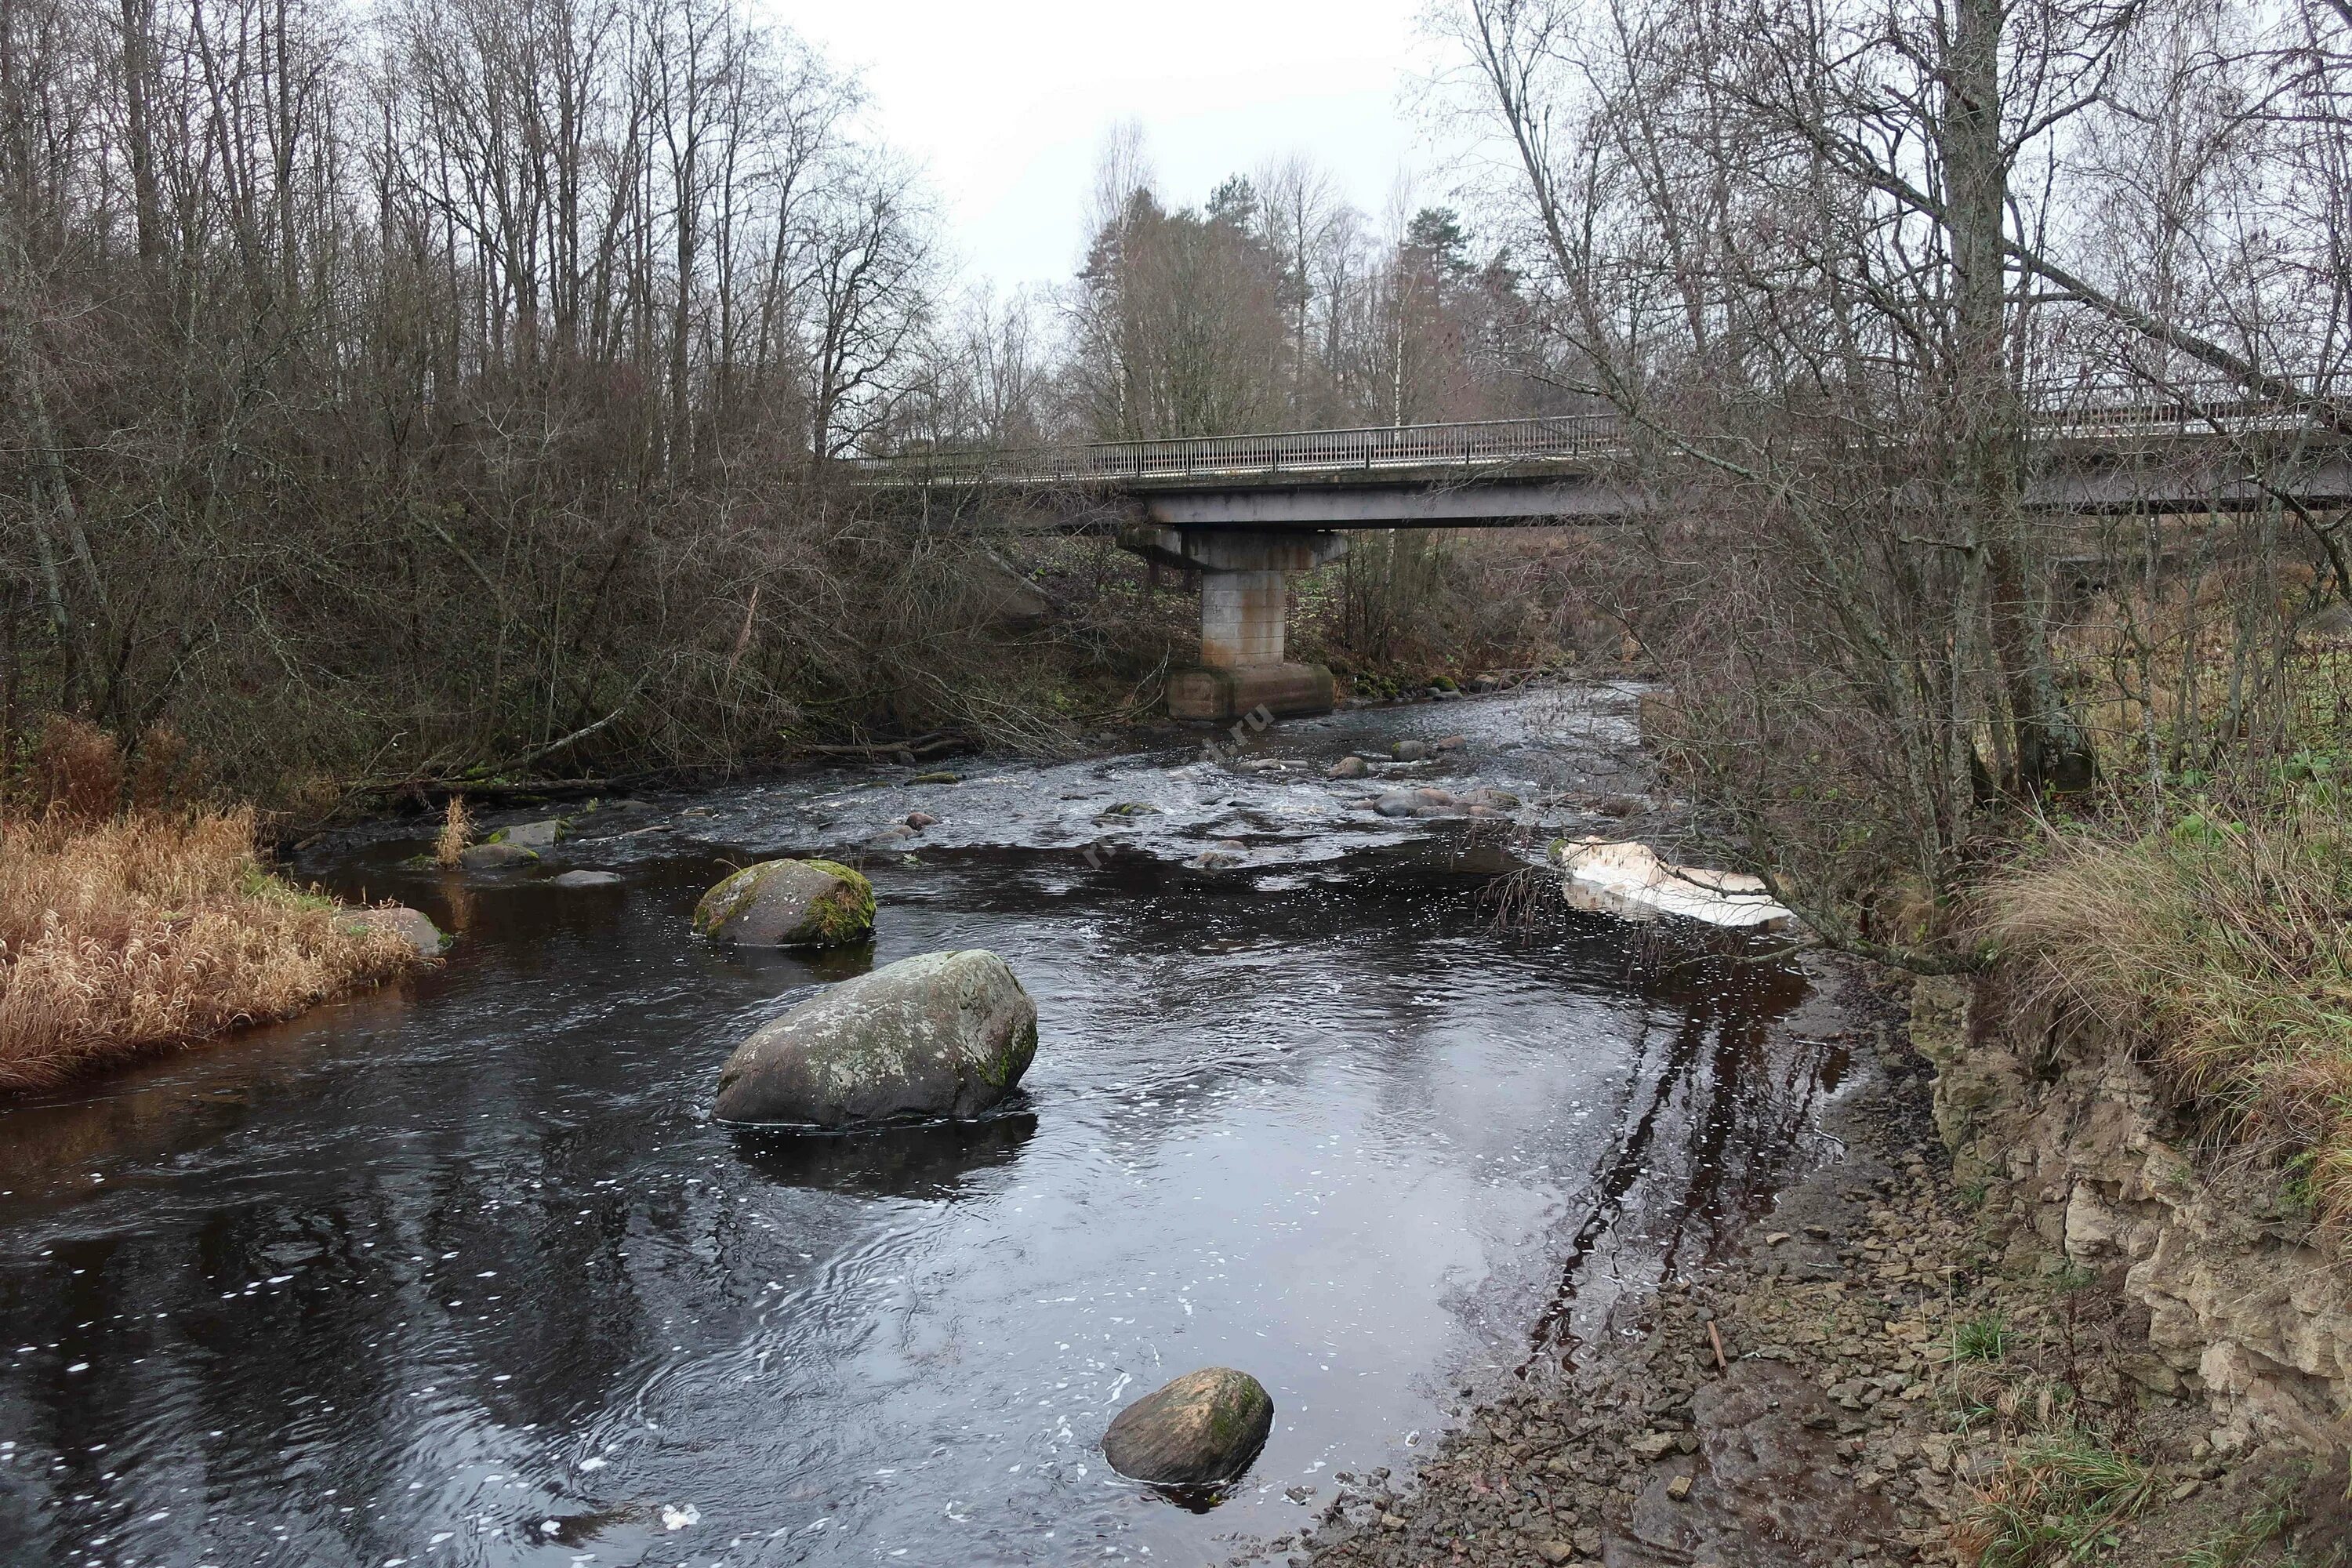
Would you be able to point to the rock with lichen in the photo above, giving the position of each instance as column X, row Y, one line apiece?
column 939, row 1037
column 789, row 903
column 1202, row 1429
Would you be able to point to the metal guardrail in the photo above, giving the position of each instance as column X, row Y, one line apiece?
column 1492, row 442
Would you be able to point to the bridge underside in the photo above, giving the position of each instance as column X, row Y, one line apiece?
column 1246, row 512
column 2087, row 483
column 1245, row 539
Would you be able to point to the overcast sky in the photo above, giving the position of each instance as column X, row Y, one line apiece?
column 1006, row 102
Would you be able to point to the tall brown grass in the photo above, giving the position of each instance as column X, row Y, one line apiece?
column 456, row 832
column 2225, row 947
column 122, row 935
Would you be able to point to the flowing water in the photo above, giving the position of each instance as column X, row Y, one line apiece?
column 462, row 1272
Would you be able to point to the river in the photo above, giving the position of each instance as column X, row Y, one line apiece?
column 462, row 1272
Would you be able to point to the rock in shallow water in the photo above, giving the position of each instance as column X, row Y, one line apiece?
column 411, row 925
column 1204, row 1428
column 943, row 1035
column 587, row 879
column 789, row 903
column 496, row 856
column 1398, row 802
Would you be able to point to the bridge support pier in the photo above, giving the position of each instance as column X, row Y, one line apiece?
column 1244, row 603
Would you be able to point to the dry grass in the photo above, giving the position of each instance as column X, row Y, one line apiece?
column 2227, row 946
column 456, row 832
column 134, row 933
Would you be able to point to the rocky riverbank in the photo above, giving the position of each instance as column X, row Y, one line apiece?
column 1878, row 1375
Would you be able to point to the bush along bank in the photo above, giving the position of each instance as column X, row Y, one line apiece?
column 1894, row 1367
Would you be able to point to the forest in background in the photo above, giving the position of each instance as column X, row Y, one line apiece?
column 457, row 387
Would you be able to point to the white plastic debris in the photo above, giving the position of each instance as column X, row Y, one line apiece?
column 1631, row 878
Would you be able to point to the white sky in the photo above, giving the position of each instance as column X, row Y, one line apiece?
column 1006, row 102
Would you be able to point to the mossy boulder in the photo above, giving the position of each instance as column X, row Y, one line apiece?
column 1203, row 1429
column 789, row 903
column 942, row 1035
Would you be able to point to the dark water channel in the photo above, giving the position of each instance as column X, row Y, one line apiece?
column 462, row 1273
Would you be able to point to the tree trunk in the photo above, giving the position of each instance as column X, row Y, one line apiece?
column 2050, row 748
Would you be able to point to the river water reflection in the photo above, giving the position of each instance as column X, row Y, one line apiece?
column 464, row 1274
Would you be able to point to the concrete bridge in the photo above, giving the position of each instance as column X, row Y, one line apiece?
column 1246, row 511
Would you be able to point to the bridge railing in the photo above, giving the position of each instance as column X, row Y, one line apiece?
column 2075, row 413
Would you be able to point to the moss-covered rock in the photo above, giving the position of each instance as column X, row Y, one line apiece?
column 946, row 1035
column 1201, row 1430
column 789, row 903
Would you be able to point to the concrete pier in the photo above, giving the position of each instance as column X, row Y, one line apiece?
column 1244, row 603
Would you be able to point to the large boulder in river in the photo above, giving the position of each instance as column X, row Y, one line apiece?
column 1202, row 1429
column 944, row 1035
column 789, row 903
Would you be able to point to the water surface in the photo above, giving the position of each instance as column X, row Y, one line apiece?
column 462, row 1273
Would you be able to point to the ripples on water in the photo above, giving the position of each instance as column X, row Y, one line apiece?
column 464, row 1273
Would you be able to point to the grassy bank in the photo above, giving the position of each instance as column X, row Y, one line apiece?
column 2227, row 944
column 151, row 930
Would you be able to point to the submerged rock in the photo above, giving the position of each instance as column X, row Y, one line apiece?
column 496, row 855
column 1202, row 1429
column 587, row 879
column 789, row 903
column 1223, row 853
column 942, row 1034
column 1411, row 751
column 413, row 926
